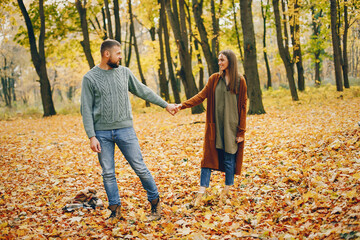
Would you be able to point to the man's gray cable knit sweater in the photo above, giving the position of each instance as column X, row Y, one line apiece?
column 105, row 103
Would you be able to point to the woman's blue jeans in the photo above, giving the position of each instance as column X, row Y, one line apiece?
column 126, row 140
column 229, row 164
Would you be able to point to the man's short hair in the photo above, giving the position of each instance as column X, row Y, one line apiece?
column 108, row 44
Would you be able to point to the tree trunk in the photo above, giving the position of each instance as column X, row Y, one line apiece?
column 179, row 28
column 201, row 71
column 336, row 45
column 264, row 16
column 132, row 30
column 284, row 52
column 128, row 51
column 38, row 57
column 173, row 80
column 13, row 89
column 216, row 27
column 117, row 22
column 345, row 66
column 250, row 61
column 5, row 82
column 210, row 56
column 316, row 31
column 70, row 93
column 85, row 43
column 285, row 22
column 237, row 33
column 108, row 18
column 196, row 44
column 104, row 23
column 295, row 37
column 164, row 84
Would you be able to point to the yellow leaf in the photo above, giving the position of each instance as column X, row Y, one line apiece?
column 351, row 194
column 3, row 225
column 169, row 228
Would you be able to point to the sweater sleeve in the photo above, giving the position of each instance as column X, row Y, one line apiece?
column 241, row 128
column 198, row 98
column 144, row 92
column 86, row 107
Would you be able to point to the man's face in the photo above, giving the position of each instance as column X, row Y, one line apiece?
column 114, row 57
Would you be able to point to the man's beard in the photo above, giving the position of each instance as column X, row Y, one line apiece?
column 112, row 64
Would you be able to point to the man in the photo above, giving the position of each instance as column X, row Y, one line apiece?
column 107, row 119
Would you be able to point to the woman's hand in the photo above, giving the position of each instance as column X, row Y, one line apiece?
column 178, row 106
column 239, row 139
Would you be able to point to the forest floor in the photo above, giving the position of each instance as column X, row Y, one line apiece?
column 300, row 176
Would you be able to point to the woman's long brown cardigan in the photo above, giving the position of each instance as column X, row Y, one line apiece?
column 210, row 157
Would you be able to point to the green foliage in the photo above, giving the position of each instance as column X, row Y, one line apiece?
column 149, row 12
column 61, row 19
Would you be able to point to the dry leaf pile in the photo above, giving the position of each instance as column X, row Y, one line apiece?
column 300, row 178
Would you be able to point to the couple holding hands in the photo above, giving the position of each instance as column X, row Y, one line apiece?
column 107, row 119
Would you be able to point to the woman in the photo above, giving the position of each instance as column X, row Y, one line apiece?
column 225, row 123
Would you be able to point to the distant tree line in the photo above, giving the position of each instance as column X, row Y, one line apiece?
column 198, row 29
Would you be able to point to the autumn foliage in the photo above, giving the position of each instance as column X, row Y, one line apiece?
column 300, row 177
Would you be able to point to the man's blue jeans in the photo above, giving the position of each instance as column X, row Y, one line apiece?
column 229, row 164
column 126, row 140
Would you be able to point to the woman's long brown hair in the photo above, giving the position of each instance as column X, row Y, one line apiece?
column 233, row 71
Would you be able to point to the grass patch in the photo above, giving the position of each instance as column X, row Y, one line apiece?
column 281, row 97
column 7, row 114
column 69, row 109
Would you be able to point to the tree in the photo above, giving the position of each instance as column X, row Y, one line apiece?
column 11, row 56
column 108, row 20
column 237, row 31
column 200, row 66
column 336, row 45
column 85, row 43
column 265, row 15
column 173, row 80
column 149, row 14
column 104, row 23
column 132, row 30
column 295, row 38
column 353, row 7
column 7, row 81
column 117, row 21
column 164, row 84
column 38, row 57
column 210, row 52
column 177, row 19
column 345, row 65
column 316, row 42
column 284, row 51
column 250, row 59
column 129, row 43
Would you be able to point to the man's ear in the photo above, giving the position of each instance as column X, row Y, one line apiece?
column 106, row 53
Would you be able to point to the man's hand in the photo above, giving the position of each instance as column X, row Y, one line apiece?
column 172, row 109
column 239, row 139
column 95, row 144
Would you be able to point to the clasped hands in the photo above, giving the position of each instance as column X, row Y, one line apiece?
column 173, row 108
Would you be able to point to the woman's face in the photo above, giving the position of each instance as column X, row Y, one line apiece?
column 223, row 62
